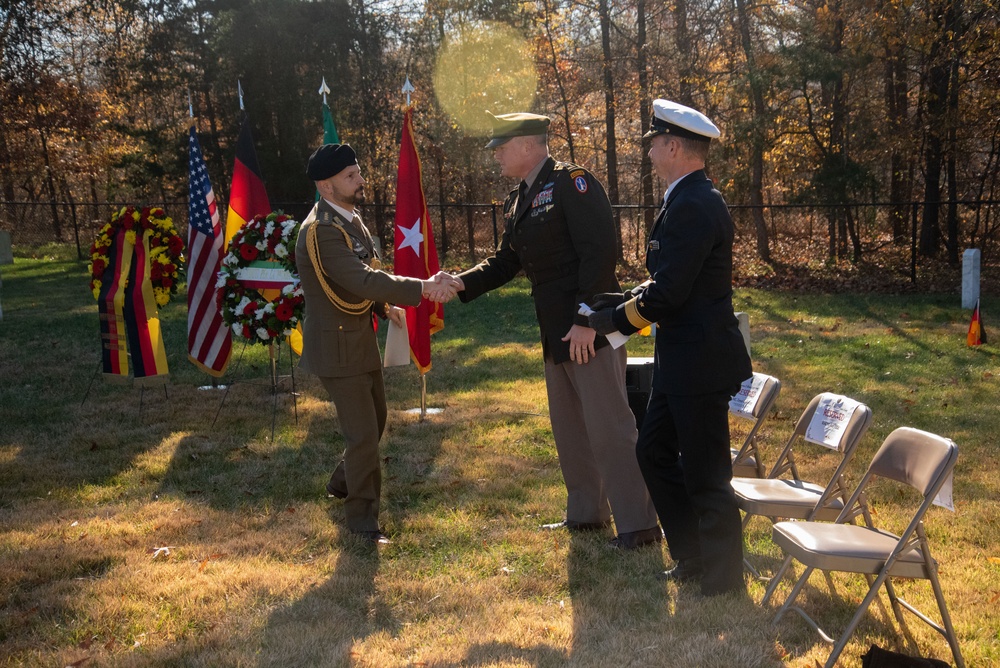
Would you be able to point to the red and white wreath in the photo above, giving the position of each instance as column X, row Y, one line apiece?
column 262, row 256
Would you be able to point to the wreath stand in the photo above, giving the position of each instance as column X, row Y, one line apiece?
column 274, row 351
column 142, row 387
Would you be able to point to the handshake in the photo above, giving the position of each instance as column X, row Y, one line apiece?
column 441, row 287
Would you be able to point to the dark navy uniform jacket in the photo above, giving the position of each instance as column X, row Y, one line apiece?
column 699, row 348
column 562, row 235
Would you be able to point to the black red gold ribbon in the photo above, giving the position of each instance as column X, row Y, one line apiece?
column 129, row 319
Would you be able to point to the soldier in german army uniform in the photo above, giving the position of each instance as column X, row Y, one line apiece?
column 560, row 231
column 344, row 286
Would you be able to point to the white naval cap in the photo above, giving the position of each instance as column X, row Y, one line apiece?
column 676, row 119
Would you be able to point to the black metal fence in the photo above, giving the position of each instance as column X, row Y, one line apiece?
column 467, row 233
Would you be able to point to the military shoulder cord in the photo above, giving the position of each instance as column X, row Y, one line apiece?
column 312, row 244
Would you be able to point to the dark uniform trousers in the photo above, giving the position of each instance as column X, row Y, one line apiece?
column 699, row 363
column 683, row 452
column 560, row 232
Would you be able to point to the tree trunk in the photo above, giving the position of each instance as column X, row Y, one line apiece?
column 896, row 113
column 682, row 39
column 937, row 110
column 49, row 180
column 557, row 74
column 757, row 139
column 609, row 117
column 645, row 166
column 952, row 224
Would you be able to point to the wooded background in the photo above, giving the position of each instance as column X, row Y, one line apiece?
column 838, row 103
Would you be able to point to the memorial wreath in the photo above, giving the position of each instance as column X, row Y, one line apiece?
column 261, row 256
column 166, row 249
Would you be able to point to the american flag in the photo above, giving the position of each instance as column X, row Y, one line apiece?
column 209, row 340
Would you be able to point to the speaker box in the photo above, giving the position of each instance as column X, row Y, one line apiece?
column 638, row 382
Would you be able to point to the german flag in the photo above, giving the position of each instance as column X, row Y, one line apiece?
column 247, row 197
column 977, row 333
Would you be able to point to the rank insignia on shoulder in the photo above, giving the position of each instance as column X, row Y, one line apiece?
column 654, row 245
column 581, row 183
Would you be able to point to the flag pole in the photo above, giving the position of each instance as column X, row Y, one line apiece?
column 407, row 89
column 423, row 396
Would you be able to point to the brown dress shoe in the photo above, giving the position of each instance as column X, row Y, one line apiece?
column 685, row 570
column 633, row 540
column 573, row 525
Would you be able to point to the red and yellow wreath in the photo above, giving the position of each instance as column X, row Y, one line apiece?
column 166, row 249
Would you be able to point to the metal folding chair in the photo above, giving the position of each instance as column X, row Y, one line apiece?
column 746, row 459
column 784, row 494
column 908, row 456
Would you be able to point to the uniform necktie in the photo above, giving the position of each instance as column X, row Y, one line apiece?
column 522, row 192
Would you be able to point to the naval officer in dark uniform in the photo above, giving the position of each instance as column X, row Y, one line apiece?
column 340, row 272
column 700, row 358
column 559, row 230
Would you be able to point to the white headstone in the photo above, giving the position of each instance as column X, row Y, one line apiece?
column 970, row 277
column 744, row 320
column 6, row 254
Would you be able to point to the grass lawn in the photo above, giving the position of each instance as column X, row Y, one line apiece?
column 137, row 533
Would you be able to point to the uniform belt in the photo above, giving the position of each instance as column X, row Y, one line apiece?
column 550, row 274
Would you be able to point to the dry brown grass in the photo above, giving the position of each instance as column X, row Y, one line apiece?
column 261, row 573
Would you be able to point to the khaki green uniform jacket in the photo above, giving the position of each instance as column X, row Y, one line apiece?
column 335, row 343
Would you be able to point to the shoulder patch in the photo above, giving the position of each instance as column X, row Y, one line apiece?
column 580, row 182
column 577, row 172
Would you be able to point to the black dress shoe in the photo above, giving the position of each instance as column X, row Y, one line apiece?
column 685, row 570
column 573, row 525
column 333, row 491
column 633, row 540
column 373, row 537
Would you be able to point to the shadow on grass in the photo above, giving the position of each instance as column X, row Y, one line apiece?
column 322, row 627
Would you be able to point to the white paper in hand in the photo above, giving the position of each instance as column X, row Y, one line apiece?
column 397, row 345
column 616, row 339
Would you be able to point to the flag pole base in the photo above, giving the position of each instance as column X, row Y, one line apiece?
column 427, row 411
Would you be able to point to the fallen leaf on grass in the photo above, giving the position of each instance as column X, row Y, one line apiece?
column 993, row 560
column 202, row 566
column 109, row 644
column 289, row 509
column 996, row 597
column 75, row 664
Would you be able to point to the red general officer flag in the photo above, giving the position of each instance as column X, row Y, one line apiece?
column 247, row 197
column 416, row 254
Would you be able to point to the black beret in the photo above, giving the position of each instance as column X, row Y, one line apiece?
column 329, row 160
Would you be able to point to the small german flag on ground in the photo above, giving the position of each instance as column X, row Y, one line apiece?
column 977, row 333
